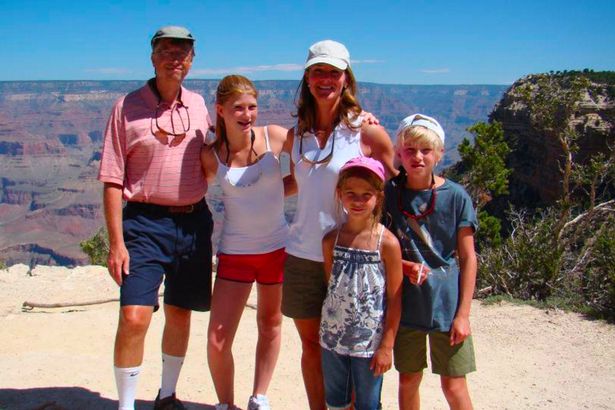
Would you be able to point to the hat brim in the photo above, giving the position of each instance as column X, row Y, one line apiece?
column 335, row 62
column 174, row 37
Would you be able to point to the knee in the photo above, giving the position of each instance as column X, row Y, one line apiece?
column 218, row 341
column 269, row 327
column 311, row 347
column 177, row 317
column 133, row 322
column 310, row 341
column 410, row 381
column 453, row 387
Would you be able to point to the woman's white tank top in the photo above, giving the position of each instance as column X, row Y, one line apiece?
column 316, row 205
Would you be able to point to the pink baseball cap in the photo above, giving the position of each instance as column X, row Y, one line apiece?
column 365, row 162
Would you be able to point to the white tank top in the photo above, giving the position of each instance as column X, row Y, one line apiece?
column 253, row 198
column 316, row 205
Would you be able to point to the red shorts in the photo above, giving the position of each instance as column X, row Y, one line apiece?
column 264, row 268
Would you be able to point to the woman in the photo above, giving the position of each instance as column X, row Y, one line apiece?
column 245, row 162
column 328, row 133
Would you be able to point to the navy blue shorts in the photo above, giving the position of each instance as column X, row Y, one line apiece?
column 172, row 246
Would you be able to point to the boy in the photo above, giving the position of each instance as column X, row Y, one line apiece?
column 434, row 220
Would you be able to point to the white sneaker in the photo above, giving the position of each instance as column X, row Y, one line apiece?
column 221, row 406
column 258, row 402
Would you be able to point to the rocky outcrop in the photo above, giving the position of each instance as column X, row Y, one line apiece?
column 536, row 156
column 39, row 255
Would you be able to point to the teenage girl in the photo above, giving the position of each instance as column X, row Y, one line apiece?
column 361, row 312
column 244, row 160
column 328, row 133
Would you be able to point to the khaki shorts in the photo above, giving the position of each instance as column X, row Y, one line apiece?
column 446, row 360
column 304, row 288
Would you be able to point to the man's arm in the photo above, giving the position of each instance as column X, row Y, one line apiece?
column 118, row 259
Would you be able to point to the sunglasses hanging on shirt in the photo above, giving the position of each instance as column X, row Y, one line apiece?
column 432, row 199
column 319, row 161
column 179, row 131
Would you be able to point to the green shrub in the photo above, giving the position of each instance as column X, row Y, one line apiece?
column 527, row 264
column 489, row 228
column 598, row 280
column 97, row 247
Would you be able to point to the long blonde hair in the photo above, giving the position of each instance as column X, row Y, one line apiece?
column 229, row 87
column 349, row 107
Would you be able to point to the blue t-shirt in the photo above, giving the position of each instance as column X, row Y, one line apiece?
column 432, row 240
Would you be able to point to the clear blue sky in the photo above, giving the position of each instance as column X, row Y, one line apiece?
column 401, row 42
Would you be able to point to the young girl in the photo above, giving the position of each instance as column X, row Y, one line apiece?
column 361, row 311
column 244, row 160
column 434, row 221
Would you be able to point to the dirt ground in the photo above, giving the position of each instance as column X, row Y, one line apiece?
column 61, row 358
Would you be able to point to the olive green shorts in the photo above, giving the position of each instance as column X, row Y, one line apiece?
column 446, row 360
column 304, row 288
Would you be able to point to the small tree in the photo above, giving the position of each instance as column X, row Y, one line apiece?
column 484, row 162
column 552, row 101
column 485, row 174
column 97, row 247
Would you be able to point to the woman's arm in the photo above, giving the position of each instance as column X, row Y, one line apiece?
column 209, row 163
column 460, row 329
column 327, row 251
column 290, row 185
column 277, row 138
column 391, row 258
column 379, row 146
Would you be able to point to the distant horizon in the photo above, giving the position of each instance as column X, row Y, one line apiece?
column 256, row 81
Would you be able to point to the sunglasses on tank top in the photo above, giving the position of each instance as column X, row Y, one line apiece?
column 320, row 161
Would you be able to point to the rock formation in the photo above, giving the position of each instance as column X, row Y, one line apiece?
column 536, row 156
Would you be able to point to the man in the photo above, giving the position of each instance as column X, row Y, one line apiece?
column 151, row 160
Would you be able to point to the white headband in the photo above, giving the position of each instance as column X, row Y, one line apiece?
column 422, row 120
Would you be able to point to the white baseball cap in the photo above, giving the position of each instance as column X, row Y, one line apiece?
column 328, row 52
column 422, row 120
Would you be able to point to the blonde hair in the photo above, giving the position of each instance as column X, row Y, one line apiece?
column 229, row 87
column 421, row 136
column 349, row 108
column 368, row 176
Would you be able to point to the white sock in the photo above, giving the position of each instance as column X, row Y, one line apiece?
column 171, row 366
column 126, row 379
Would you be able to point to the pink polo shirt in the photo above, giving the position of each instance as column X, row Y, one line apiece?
column 150, row 166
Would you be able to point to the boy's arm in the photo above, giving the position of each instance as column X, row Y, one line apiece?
column 391, row 258
column 460, row 328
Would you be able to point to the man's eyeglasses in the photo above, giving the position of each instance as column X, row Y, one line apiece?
column 180, row 55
